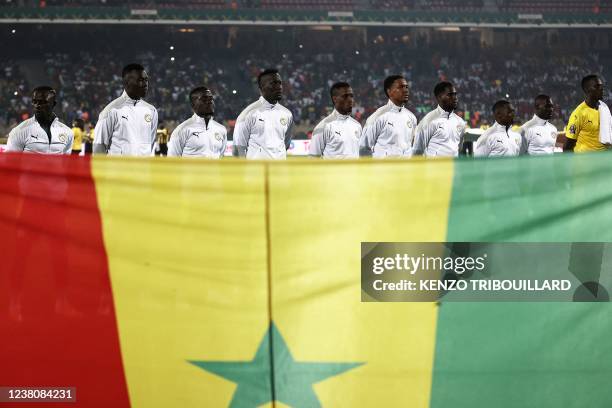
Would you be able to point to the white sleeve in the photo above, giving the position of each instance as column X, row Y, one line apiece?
column 482, row 148
column 414, row 126
column 242, row 131
column 317, row 142
column 176, row 143
column 103, row 132
column 68, row 149
column 16, row 141
column 154, row 123
column 524, row 141
column 224, row 144
column 289, row 133
column 461, row 138
column 369, row 135
column 421, row 139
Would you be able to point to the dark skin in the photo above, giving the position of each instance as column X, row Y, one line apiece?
column 343, row 100
column 43, row 103
column 203, row 105
column 448, row 99
column 504, row 115
column 544, row 108
column 271, row 88
column 398, row 92
column 569, row 145
column 593, row 91
column 136, row 84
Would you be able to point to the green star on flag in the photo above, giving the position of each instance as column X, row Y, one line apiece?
column 293, row 379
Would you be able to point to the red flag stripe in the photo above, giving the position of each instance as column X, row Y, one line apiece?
column 57, row 318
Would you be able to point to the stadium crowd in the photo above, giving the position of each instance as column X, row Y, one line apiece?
column 85, row 85
column 14, row 94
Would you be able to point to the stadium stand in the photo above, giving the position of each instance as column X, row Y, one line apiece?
column 86, row 86
column 14, row 93
column 512, row 6
column 566, row 6
column 85, row 69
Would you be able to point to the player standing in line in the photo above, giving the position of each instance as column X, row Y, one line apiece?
column 440, row 132
column 43, row 132
column 128, row 125
column 337, row 136
column 389, row 131
column 499, row 139
column 264, row 128
column 40, row 202
column 538, row 134
column 200, row 135
column 582, row 130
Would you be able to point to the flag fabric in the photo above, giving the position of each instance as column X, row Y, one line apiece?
column 168, row 282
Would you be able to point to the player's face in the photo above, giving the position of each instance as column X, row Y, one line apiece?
column 343, row 100
column 545, row 108
column 203, row 104
column 271, row 87
column 448, row 99
column 399, row 93
column 595, row 89
column 137, row 84
column 43, row 103
column 506, row 115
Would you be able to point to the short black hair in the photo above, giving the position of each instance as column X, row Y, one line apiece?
column 441, row 87
column 389, row 82
column 336, row 86
column 131, row 67
column 540, row 97
column 499, row 104
column 44, row 88
column 199, row 89
column 587, row 79
column 267, row 71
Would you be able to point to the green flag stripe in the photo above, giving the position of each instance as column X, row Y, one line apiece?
column 527, row 354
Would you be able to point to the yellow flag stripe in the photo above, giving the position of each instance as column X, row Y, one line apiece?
column 320, row 213
column 187, row 258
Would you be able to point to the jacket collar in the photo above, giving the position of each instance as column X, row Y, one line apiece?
column 199, row 119
column 129, row 100
column 444, row 113
column 53, row 122
column 394, row 107
column 502, row 127
column 539, row 121
column 267, row 104
column 340, row 116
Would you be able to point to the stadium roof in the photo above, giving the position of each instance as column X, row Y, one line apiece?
column 124, row 15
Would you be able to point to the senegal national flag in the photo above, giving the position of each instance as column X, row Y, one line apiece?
column 186, row 283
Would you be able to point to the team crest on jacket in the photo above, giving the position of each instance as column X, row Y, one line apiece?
column 409, row 124
column 553, row 134
column 148, row 118
column 63, row 138
column 218, row 136
column 283, row 121
column 459, row 128
column 573, row 129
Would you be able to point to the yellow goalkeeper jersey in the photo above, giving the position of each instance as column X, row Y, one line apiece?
column 583, row 127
